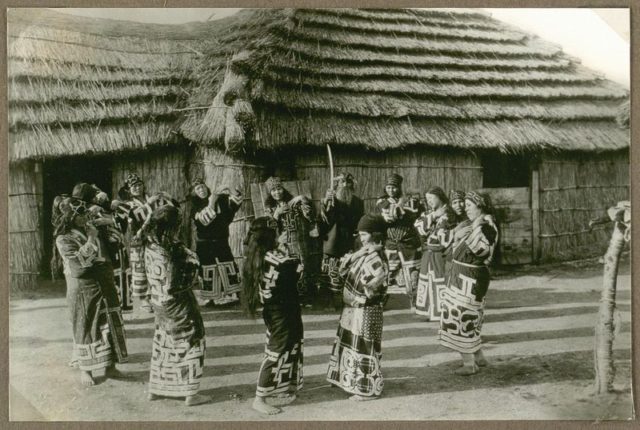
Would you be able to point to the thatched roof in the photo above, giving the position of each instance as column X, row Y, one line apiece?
column 270, row 78
column 82, row 85
column 392, row 78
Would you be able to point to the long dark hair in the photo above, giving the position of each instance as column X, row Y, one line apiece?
column 162, row 227
column 260, row 239
column 56, row 265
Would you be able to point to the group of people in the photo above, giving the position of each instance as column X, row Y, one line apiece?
column 437, row 254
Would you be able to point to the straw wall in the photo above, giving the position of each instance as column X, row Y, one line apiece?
column 25, row 222
column 574, row 189
column 421, row 168
column 161, row 170
column 220, row 170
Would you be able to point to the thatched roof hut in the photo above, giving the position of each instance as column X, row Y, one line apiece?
column 386, row 79
column 437, row 95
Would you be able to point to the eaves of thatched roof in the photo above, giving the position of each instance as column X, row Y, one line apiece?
column 391, row 78
column 82, row 85
column 270, row 78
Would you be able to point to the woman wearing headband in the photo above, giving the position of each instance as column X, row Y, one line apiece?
column 474, row 241
column 98, row 333
column 211, row 215
column 354, row 364
column 434, row 228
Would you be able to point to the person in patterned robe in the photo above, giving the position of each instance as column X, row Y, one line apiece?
column 402, row 244
column 354, row 364
column 98, row 329
column 456, row 201
column 297, row 231
column 464, row 299
column 136, row 206
column 434, row 227
column 171, row 271
column 340, row 212
column 269, row 278
column 100, row 207
column 211, row 215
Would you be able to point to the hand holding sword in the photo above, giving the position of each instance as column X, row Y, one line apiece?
column 331, row 193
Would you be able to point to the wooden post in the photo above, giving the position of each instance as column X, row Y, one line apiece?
column 535, row 214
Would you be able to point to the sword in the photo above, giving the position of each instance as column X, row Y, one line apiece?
column 331, row 171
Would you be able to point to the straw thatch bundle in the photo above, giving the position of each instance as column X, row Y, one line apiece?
column 392, row 78
column 624, row 114
column 80, row 85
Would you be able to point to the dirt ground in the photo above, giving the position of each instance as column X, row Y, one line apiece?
column 538, row 336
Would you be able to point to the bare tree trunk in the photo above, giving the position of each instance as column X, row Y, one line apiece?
column 604, row 331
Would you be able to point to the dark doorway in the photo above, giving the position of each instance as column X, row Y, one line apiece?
column 59, row 177
column 504, row 170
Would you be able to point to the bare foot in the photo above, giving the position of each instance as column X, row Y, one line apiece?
column 86, row 379
column 358, row 398
column 282, row 399
column 196, row 399
column 151, row 397
column 260, row 406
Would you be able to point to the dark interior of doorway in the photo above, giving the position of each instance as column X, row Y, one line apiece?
column 59, row 177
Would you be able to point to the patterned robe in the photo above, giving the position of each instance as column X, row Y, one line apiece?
column 220, row 272
column 178, row 350
column 338, row 223
column 135, row 211
column 294, row 229
column 281, row 369
column 464, row 298
column 98, row 330
column 354, row 364
column 402, row 244
column 436, row 234
column 113, row 235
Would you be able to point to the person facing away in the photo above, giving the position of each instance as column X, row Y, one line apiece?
column 179, row 344
column 270, row 277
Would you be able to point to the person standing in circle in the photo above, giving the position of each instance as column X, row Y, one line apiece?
column 270, row 278
column 211, row 215
column 354, row 364
column 98, row 330
column 474, row 241
column 178, row 349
